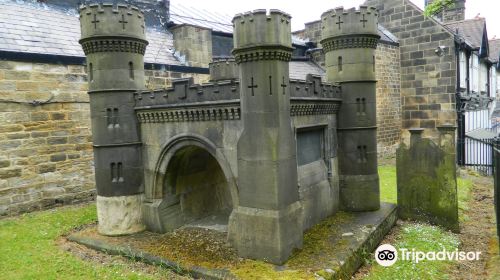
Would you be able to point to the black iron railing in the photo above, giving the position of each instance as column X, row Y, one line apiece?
column 477, row 154
column 496, row 180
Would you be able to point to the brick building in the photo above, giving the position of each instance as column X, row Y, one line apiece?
column 447, row 74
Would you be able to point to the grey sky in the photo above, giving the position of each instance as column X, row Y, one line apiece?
column 310, row 10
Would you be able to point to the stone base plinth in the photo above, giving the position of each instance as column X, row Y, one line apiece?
column 119, row 215
column 268, row 235
column 360, row 193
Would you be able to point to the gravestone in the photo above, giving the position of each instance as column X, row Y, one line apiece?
column 427, row 179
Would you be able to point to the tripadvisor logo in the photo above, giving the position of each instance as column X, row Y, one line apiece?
column 387, row 255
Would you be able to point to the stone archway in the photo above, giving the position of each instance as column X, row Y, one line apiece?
column 192, row 184
column 195, row 177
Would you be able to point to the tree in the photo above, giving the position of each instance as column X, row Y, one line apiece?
column 437, row 7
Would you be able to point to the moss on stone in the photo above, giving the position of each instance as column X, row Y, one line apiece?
column 251, row 269
column 427, row 184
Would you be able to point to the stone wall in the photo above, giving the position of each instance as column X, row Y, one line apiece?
column 312, row 31
column 193, row 43
column 428, row 81
column 388, row 88
column 46, row 154
column 388, row 99
column 45, row 149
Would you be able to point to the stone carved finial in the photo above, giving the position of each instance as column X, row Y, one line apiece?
column 415, row 135
column 447, row 136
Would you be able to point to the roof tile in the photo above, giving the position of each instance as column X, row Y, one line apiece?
column 46, row 31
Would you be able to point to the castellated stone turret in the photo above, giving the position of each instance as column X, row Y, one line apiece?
column 113, row 40
column 349, row 39
column 223, row 68
column 266, row 224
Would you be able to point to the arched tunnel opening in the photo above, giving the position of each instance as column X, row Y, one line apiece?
column 196, row 179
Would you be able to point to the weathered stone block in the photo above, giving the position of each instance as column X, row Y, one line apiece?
column 57, row 116
column 9, row 173
column 58, row 157
column 18, row 135
column 57, row 140
column 17, row 75
column 10, row 128
column 45, row 168
column 4, row 163
column 269, row 235
column 8, row 145
column 427, row 183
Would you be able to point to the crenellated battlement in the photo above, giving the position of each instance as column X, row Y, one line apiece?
column 274, row 30
column 223, row 68
column 186, row 92
column 98, row 20
column 354, row 23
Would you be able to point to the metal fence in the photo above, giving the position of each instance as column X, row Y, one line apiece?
column 496, row 179
column 478, row 154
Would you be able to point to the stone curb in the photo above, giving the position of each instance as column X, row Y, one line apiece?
column 195, row 272
column 352, row 261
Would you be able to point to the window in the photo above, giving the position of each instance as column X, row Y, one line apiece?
column 474, row 73
column 91, row 72
column 463, row 72
column 309, row 145
column 483, row 77
column 131, row 70
column 493, row 81
column 498, row 81
column 116, row 172
column 340, row 63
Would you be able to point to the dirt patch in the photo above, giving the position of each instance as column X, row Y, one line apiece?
column 476, row 230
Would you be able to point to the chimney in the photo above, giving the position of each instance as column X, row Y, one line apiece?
column 454, row 13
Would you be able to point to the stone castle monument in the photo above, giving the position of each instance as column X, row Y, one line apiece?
column 252, row 153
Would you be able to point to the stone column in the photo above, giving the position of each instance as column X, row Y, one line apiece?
column 349, row 39
column 267, row 223
column 415, row 135
column 447, row 138
column 114, row 42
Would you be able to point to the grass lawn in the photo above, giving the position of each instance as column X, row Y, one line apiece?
column 421, row 237
column 28, row 248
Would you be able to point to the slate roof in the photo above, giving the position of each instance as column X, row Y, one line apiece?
column 48, row 31
column 37, row 29
column 470, row 29
column 494, row 50
column 216, row 21
column 386, row 35
column 180, row 14
column 300, row 69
